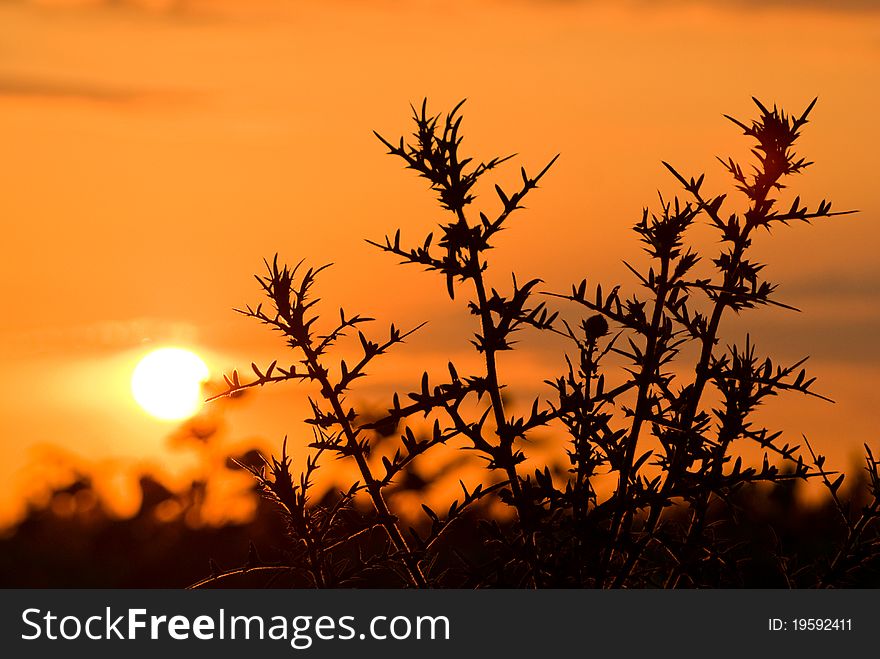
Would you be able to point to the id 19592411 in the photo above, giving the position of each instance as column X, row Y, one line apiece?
column 810, row 624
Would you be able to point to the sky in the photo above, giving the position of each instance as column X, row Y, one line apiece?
column 155, row 152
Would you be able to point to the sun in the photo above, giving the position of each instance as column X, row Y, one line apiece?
column 167, row 383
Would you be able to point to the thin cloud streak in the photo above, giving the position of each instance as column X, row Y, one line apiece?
column 37, row 88
column 839, row 6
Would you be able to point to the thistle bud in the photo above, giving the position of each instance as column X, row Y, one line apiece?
column 595, row 327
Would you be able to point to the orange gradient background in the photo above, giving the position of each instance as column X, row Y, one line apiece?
column 153, row 153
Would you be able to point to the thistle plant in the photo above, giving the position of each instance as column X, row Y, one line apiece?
column 651, row 394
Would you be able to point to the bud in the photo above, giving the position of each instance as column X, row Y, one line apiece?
column 595, row 327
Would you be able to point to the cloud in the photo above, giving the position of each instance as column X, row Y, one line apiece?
column 833, row 288
column 792, row 5
column 19, row 87
column 825, row 5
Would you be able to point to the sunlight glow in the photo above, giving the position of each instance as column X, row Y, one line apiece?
column 167, row 383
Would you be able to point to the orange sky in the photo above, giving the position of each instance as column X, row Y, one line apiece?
column 155, row 152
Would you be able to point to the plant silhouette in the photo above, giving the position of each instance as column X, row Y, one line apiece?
column 650, row 395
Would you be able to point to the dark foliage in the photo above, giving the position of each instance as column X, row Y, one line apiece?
column 650, row 394
column 78, row 544
column 85, row 547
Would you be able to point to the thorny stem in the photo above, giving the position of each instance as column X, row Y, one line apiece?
column 374, row 487
column 580, row 501
column 314, row 560
column 870, row 514
column 853, row 536
column 701, row 378
column 505, row 441
column 581, row 476
column 645, row 381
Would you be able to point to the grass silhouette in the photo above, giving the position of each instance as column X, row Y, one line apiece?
column 651, row 396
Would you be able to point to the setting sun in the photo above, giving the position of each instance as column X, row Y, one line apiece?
column 167, row 383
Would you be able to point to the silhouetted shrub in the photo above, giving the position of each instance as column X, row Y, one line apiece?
column 650, row 396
